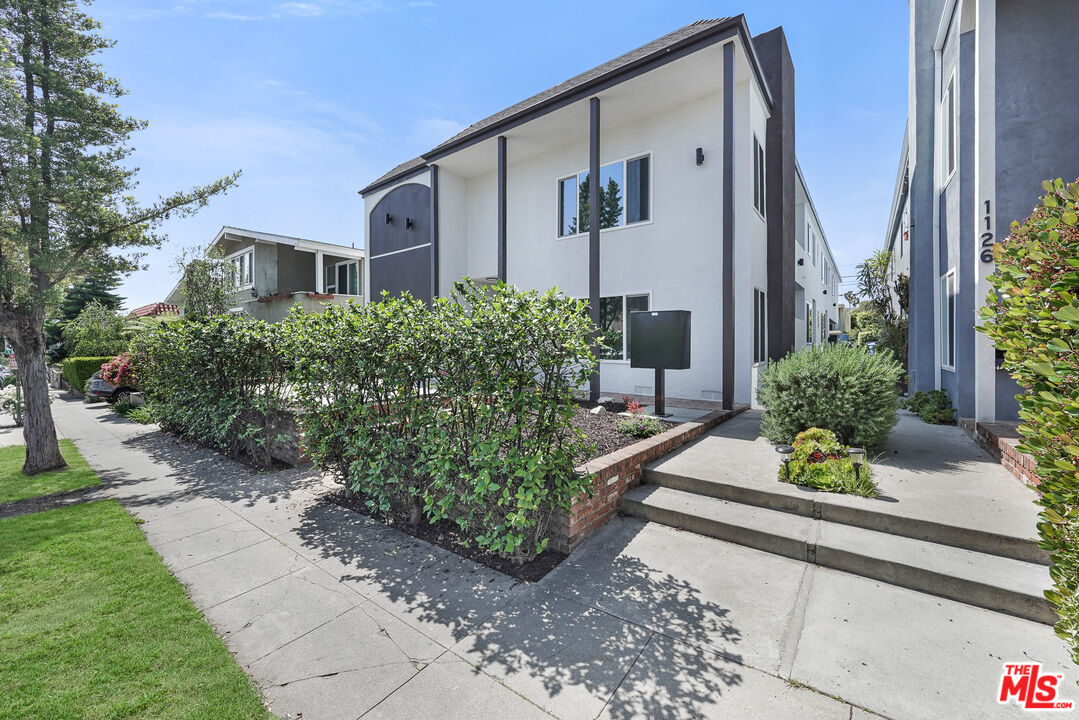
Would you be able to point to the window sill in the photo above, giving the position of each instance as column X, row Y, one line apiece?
column 606, row 230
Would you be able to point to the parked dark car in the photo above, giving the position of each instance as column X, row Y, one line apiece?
column 106, row 391
column 838, row 337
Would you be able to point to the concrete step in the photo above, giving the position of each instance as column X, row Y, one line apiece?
column 985, row 580
column 813, row 504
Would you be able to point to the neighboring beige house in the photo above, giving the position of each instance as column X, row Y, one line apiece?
column 274, row 272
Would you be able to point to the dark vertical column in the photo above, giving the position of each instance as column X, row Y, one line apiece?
column 593, row 227
column 502, row 208
column 434, row 231
column 779, row 191
column 728, row 226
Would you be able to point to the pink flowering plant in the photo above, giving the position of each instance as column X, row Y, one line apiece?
column 120, row 371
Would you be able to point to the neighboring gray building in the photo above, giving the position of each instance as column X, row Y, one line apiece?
column 692, row 137
column 989, row 118
column 274, row 272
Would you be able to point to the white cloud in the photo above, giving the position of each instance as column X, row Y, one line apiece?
column 225, row 15
column 429, row 132
column 303, row 9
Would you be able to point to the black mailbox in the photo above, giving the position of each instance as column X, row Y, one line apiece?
column 659, row 339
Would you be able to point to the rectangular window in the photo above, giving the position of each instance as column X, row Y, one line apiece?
column 948, row 133
column 824, row 327
column 243, row 268
column 567, row 206
column 614, row 324
column 343, row 278
column 624, row 193
column 809, row 323
column 947, row 320
column 758, row 176
column 760, row 326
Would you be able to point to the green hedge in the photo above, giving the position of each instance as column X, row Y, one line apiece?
column 935, row 407
column 1032, row 314
column 219, row 381
column 461, row 411
column 841, row 388
column 77, row 370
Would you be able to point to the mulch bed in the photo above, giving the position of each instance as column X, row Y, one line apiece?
column 448, row 536
column 602, row 430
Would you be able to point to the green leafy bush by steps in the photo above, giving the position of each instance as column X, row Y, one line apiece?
column 220, row 381
column 78, row 370
column 821, row 461
column 1032, row 314
column 641, row 426
column 934, row 407
column 841, row 388
column 461, row 411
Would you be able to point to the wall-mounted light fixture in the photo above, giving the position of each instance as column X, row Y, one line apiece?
column 801, row 261
column 700, row 156
column 408, row 223
column 389, row 219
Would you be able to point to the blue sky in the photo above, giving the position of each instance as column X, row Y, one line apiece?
column 314, row 99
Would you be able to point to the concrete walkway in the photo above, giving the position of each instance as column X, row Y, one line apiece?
column 339, row 617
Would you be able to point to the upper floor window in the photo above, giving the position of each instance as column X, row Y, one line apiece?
column 343, row 278
column 758, row 176
column 243, row 268
column 624, row 196
column 948, row 119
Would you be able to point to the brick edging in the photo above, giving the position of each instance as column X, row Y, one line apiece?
column 617, row 472
column 1003, row 447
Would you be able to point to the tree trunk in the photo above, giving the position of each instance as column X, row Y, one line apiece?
column 39, row 432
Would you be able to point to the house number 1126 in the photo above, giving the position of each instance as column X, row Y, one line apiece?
column 987, row 236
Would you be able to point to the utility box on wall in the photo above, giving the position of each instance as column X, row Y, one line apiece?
column 659, row 339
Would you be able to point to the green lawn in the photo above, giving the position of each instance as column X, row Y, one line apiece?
column 93, row 625
column 16, row 486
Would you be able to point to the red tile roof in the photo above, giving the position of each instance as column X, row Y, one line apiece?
column 157, row 308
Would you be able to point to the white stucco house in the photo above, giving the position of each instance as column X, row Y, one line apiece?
column 702, row 206
column 274, row 272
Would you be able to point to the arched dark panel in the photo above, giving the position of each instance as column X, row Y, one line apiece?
column 400, row 243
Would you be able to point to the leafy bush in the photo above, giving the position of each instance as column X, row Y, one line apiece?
column 840, row 388
column 98, row 330
column 461, row 411
column 1032, row 314
column 120, row 371
column 934, row 407
column 821, row 461
column 641, row 426
column 78, row 370
column 219, row 381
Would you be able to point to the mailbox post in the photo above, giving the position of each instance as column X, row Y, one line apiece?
column 659, row 339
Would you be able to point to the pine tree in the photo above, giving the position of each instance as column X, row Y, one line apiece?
column 66, row 205
column 610, row 205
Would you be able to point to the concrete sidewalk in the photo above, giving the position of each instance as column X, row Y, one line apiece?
column 339, row 617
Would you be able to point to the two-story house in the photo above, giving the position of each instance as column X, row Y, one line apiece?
column 986, row 124
column 664, row 179
column 271, row 273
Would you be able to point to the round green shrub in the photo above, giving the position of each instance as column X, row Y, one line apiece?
column 841, row 388
column 641, row 426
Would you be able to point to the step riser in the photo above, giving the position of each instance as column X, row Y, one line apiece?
column 989, row 543
column 1028, row 607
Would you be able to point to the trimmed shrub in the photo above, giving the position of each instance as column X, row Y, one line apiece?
column 461, row 411
column 640, row 426
column 821, row 461
column 78, row 370
column 1032, row 314
column 840, row 388
column 219, row 381
column 934, row 407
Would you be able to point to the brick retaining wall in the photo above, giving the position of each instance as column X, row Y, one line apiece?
column 1000, row 439
column 617, row 472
